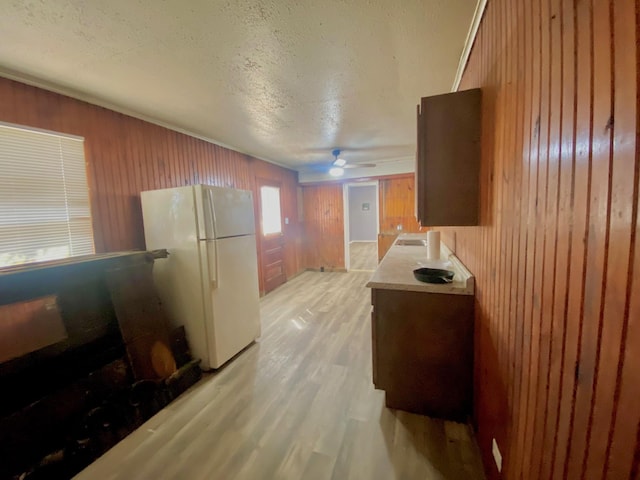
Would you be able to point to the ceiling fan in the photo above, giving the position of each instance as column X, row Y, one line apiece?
column 340, row 164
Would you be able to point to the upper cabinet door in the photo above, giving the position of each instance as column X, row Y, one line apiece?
column 448, row 159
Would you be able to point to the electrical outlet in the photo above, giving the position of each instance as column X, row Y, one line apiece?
column 497, row 456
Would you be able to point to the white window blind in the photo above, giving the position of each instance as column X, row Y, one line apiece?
column 44, row 197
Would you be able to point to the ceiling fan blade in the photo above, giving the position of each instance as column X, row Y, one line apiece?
column 316, row 167
column 359, row 165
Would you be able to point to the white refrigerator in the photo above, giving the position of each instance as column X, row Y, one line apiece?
column 209, row 283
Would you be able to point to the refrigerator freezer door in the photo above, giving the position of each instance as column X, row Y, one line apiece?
column 234, row 307
column 169, row 217
column 231, row 211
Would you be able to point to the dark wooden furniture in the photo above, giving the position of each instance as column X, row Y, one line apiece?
column 106, row 367
column 448, row 159
column 423, row 351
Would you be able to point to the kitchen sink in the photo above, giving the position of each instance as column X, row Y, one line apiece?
column 416, row 242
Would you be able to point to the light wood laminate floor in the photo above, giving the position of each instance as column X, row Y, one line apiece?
column 363, row 256
column 299, row 404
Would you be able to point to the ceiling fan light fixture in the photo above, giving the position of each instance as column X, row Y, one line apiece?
column 340, row 162
column 336, row 171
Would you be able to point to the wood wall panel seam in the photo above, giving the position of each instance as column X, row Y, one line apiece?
column 544, row 463
column 595, row 255
column 609, row 153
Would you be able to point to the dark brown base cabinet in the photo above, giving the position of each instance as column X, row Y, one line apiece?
column 423, row 352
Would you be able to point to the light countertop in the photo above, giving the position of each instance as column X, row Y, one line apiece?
column 395, row 272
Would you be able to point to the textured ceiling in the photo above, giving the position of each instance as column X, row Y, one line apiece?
column 282, row 80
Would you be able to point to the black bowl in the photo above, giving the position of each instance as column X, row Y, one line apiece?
column 433, row 275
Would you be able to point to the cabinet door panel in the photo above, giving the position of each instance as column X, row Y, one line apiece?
column 424, row 352
column 449, row 158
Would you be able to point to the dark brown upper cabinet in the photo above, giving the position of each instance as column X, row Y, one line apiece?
column 448, row 159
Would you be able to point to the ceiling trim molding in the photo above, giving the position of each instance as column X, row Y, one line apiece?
column 468, row 44
column 84, row 97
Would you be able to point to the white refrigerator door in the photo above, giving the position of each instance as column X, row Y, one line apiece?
column 169, row 218
column 233, row 308
column 227, row 212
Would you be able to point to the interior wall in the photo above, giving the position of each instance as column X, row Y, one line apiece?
column 323, row 226
column 397, row 210
column 126, row 156
column 363, row 214
column 324, row 218
column 398, row 205
column 557, row 255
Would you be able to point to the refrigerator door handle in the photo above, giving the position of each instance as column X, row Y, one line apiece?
column 210, row 219
column 212, row 260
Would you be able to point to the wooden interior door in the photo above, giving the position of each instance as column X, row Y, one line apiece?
column 271, row 235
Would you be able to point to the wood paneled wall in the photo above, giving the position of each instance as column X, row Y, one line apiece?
column 557, row 255
column 323, row 226
column 398, row 205
column 126, row 156
column 324, row 217
column 397, row 210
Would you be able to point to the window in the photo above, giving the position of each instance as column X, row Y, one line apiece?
column 270, row 206
column 44, row 198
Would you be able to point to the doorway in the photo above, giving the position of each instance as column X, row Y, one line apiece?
column 361, row 226
column 271, row 236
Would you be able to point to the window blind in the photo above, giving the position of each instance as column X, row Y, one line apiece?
column 44, row 197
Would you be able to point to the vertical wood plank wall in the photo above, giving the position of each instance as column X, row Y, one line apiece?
column 126, row 156
column 397, row 205
column 397, row 210
column 323, row 226
column 557, row 255
column 324, row 217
